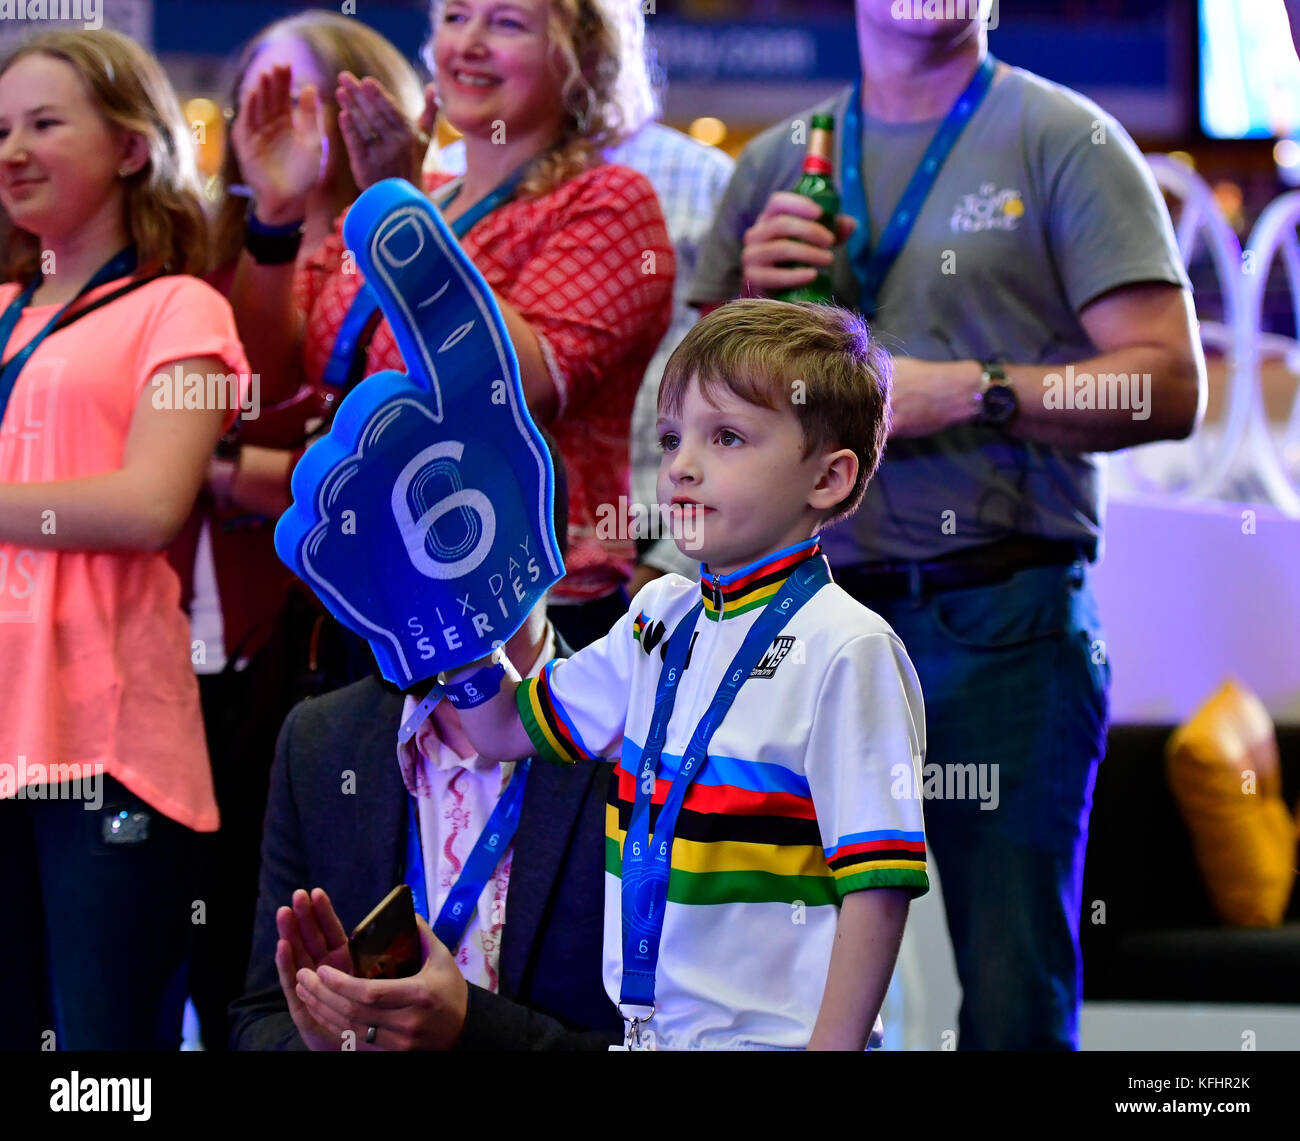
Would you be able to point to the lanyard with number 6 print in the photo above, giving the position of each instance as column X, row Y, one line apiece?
column 647, row 860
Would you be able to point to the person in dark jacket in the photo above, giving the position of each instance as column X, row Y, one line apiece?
column 343, row 795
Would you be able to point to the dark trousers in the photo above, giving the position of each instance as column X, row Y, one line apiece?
column 97, row 922
column 1015, row 680
column 242, row 714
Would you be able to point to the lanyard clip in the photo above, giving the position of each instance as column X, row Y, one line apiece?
column 634, row 1037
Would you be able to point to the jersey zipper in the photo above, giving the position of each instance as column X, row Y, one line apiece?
column 702, row 660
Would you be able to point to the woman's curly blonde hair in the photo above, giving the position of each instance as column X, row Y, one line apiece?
column 606, row 88
column 163, row 204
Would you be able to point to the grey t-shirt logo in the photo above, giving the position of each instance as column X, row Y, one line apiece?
column 990, row 209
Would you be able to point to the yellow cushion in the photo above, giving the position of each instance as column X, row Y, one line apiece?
column 1222, row 766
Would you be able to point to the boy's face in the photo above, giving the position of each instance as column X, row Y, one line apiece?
column 737, row 481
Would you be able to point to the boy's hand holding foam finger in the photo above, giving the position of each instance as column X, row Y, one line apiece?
column 788, row 231
column 483, row 694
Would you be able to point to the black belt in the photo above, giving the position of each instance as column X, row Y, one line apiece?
column 984, row 565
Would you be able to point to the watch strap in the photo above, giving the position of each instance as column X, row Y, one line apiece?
column 272, row 245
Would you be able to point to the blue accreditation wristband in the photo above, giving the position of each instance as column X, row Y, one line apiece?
column 479, row 687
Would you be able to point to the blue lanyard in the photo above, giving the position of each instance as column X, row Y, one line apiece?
column 338, row 369
column 480, row 210
column 120, row 265
column 872, row 266
column 492, row 843
column 364, row 305
column 647, row 862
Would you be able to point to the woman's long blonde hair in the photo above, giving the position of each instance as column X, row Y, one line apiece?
column 163, row 204
column 337, row 43
column 606, row 90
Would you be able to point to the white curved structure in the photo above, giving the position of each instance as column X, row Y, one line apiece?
column 1274, row 234
column 1212, row 455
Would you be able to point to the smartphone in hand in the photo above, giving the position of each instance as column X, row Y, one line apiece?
column 386, row 943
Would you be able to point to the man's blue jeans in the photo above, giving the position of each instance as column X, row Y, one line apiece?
column 1015, row 676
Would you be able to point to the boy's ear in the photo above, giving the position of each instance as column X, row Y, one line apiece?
column 839, row 474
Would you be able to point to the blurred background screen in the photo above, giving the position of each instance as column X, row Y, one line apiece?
column 1249, row 73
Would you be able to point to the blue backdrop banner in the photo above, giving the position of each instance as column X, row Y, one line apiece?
column 423, row 519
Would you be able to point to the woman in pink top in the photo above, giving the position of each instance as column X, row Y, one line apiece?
column 120, row 372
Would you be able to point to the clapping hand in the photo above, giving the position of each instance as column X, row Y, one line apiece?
column 280, row 144
column 381, row 142
column 424, row 1012
column 311, row 937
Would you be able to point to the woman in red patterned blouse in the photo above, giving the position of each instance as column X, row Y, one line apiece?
column 579, row 258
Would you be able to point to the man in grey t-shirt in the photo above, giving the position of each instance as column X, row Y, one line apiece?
column 1039, row 314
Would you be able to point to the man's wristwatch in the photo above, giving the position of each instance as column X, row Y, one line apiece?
column 996, row 400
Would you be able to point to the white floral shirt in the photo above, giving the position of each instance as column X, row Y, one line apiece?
column 454, row 797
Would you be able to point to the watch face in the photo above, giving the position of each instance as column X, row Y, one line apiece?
column 999, row 404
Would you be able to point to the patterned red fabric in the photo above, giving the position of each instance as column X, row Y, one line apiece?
column 590, row 267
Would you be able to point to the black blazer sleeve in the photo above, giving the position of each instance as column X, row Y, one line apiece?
column 493, row 1022
column 259, row 1018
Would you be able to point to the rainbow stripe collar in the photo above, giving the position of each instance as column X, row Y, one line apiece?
column 746, row 589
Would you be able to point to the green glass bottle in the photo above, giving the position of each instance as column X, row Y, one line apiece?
column 816, row 183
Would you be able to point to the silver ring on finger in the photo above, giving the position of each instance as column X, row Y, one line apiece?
column 371, row 1031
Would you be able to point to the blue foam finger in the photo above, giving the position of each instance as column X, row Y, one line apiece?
column 423, row 520
column 439, row 306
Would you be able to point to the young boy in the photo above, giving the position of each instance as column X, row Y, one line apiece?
column 756, row 898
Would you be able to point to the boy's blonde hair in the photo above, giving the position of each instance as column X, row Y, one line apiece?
column 818, row 360
column 607, row 91
column 163, row 201
column 337, row 43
